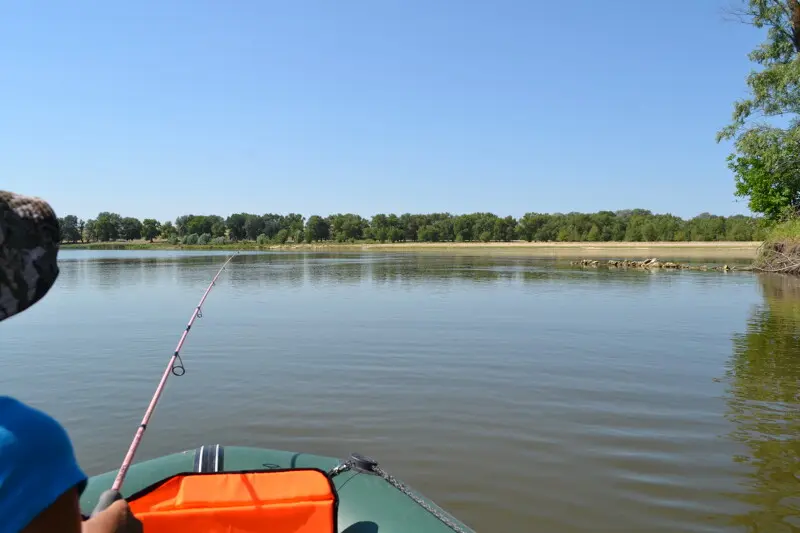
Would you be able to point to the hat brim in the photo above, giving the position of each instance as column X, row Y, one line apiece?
column 29, row 240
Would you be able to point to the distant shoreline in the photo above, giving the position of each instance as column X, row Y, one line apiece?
column 712, row 249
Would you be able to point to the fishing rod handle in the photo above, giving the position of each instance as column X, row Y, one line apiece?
column 106, row 499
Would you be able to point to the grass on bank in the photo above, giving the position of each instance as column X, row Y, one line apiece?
column 785, row 231
column 780, row 251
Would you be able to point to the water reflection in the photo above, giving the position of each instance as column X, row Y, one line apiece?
column 764, row 399
column 326, row 269
column 343, row 272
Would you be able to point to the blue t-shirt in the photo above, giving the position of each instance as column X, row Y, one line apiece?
column 37, row 464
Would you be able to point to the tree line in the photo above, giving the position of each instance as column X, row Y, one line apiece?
column 627, row 225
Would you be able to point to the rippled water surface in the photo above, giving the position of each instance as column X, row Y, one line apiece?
column 519, row 394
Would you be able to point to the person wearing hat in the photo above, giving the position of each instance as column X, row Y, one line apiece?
column 40, row 479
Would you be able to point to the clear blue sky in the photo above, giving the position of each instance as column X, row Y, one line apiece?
column 163, row 108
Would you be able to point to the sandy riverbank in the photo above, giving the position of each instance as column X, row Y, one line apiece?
column 622, row 250
column 616, row 250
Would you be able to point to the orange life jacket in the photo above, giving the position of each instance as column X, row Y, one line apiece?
column 274, row 501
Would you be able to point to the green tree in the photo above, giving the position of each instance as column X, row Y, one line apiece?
column 130, row 228
column 217, row 227
column 150, row 228
column 706, row 227
column 235, row 224
column 427, row 234
column 504, row 229
column 409, row 225
column 612, row 227
column 272, row 224
column 68, row 229
column 292, row 223
column 344, row 227
column 317, row 229
column 200, row 224
column 741, row 228
column 766, row 161
column 649, row 232
column 462, row 228
column 634, row 226
column 483, row 223
column 379, row 221
column 395, row 234
column 180, row 224
column 89, row 230
column 282, row 236
column 168, row 230
column 253, row 226
column 443, row 226
column 531, row 224
column 667, row 227
column 564, row 235
column 107, row 226
column 380, row 234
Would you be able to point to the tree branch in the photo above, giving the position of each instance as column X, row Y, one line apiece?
column 794, row 5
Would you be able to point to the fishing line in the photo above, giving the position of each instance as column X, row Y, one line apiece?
column 175, row 367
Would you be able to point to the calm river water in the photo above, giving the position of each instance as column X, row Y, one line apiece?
column 520, row 395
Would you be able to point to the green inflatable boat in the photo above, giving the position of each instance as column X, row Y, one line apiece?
column 368, row 499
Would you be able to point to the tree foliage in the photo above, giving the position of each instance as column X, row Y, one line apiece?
column 90, row 230
column 235, row 224
column 766, row 161
column 69, row 229
column 130, row 228
column 107, row 226
column 151, row 228
column 317, row 229
column 626, row 225
column 168, row 231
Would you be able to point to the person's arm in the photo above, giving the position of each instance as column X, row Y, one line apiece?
column 64, row 516
column 117, row 518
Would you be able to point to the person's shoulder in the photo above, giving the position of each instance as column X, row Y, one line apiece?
column 37, row 462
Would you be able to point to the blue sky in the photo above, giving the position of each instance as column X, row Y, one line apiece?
column 157, row 109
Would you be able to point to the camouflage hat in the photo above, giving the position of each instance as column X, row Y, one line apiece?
column 29, row 237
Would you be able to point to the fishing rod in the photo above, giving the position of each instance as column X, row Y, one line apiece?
column 175, row 366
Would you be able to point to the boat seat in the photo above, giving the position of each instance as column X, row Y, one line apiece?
column 274, row 501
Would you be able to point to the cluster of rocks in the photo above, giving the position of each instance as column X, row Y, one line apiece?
column 647, row 264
